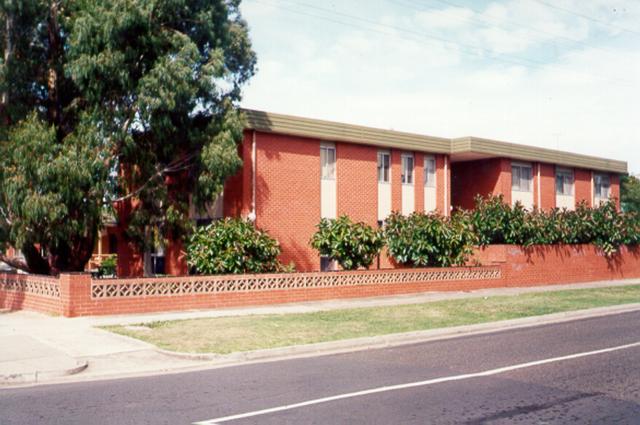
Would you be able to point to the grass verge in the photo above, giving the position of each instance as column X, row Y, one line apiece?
column 245, row 333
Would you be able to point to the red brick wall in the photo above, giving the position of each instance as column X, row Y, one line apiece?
column 396, row 180
column 615, row 189
column 418, row 181
column 582, row 186
column 288, row 194
column 357, row 182
column 481, row 177
column 547, row 265
column 441, row 196
column 547, row 186
column 130, row 259
column 237, row 189
column 535, row 266
column 25, row 300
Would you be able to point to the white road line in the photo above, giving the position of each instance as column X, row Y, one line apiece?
column 414, row 384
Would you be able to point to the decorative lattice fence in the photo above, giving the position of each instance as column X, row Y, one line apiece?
column 193, row 285
column 46, row 286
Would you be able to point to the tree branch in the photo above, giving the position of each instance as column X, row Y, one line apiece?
column 177, row 165
column 16, row 263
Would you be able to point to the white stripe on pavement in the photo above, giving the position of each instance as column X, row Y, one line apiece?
column 414, row 384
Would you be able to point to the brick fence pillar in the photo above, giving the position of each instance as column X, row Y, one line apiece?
column 75, row 291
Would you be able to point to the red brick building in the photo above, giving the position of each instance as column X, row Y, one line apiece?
column 298, row 170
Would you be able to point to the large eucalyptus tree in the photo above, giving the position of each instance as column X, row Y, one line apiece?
column 113, row 100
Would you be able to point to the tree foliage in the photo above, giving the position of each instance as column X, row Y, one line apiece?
column 352, row 245
column 234, row 246
column 114, row 101
column 495, row 222
column 429, row 240
column 630, row 193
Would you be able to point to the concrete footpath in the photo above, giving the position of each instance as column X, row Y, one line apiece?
column 36, row 348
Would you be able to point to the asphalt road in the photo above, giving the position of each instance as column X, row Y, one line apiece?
column 601, row 387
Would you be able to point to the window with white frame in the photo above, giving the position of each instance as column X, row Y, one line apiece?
column 564, row 181
column 521, row 177
column 429, row 171
column 328, row 162
column 384, row 165
column 601, row 186
column 407, row 169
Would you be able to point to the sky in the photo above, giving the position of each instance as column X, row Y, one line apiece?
column 560, row 74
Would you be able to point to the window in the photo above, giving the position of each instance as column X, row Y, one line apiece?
column 407, row 169
column 383, row 167
column 602, row 186
column 564, row 181
column 521, row 177
column 328, row 162
column 327, row 264
column 429, row 171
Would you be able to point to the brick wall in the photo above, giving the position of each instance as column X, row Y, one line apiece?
column 443, row 198
column 396, row 180
column 288, row 194
column 481, row 177
column 502, row 266
column 583, row 186
column 357, row 182
column 418, row 181
column 30, row 292
column 547, row 187
column 546, row 265
column 615, row 189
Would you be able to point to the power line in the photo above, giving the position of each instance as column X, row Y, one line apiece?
column 513, row 23
column 496, row 56
column 589, row 18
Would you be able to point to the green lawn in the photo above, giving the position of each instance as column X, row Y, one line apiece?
column 231, row 334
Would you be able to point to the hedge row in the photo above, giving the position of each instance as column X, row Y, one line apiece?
column 431, row 240
column 417, row 240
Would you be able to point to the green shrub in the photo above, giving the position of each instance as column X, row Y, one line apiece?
column 232, row 246
column 352, row 245
column 495, row 222
column 430, row 240
column 108, row 266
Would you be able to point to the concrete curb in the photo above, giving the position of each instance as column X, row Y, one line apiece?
column 38, row 376
column 399, row 339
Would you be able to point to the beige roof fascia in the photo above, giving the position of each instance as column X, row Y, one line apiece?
column 338, row 132
column 495, row 148
column 333, row 131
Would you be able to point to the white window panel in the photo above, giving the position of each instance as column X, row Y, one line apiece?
column 407, row 169
column 521, row 177
column 429, row 171
column 384, row 167
column 564, row 181
column 328, row 162
column 601, row 187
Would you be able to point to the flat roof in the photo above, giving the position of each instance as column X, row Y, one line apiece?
column 460, row 149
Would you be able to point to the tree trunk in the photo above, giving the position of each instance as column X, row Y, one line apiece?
column 36, row 263
column 55, row 51
column 8, row 53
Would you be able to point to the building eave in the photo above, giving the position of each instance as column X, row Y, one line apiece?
column 460, row 149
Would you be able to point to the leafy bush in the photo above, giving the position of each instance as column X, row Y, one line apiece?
column 423, row 240
column 108, row 266
column 352, row 245
column 495, row 222
column 235, row 246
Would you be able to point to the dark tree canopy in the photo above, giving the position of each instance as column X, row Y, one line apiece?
column 630, row 193
column 108, row 101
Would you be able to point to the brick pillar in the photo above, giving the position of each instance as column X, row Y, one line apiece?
column 75, row 292
column 418, row 181
column 396, row 181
